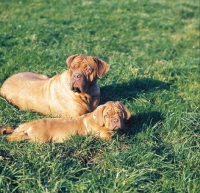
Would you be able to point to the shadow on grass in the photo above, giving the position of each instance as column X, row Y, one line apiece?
column 131, row 89
column 140, row 122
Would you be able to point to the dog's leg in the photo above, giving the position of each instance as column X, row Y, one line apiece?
column 18, row 137
column 13, row 136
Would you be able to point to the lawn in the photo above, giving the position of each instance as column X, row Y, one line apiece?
column 154, row 53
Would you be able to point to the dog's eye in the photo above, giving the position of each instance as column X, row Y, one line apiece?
column 107, row 116
column 72, row 68
column 120, row 114
column 88, row 70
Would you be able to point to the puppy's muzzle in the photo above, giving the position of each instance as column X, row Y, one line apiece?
column 116, row 123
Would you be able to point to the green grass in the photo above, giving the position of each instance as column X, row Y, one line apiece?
column 153, row 49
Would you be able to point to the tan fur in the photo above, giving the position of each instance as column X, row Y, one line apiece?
column 101, row 123
column 70, row 94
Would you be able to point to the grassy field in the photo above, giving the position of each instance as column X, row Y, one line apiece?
column 153, row 49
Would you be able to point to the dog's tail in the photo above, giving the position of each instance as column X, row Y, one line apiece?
column 6, row 131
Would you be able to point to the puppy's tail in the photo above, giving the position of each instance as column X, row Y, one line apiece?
column 6, row 131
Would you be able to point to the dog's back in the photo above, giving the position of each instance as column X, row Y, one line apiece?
column 25, row 90
column 69, row 94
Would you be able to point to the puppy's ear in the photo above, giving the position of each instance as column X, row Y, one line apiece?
column 98, row 115
column 103, row 67
column 70, row 59
column 126, row 112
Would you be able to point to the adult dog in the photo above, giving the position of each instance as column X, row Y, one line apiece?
column 70, row 94
column 101, row 123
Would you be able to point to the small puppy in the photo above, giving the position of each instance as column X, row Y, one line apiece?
column 70, row 94
column 101, row 123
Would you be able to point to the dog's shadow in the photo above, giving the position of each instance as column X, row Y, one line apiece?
column 140, row 122
column 130, row 90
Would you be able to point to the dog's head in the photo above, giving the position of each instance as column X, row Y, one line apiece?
column 111, row 115
column 83, row 71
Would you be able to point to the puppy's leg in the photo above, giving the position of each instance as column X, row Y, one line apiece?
column 18, row 136
column 13, row 136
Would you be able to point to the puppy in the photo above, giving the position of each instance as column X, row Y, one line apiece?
column 70, row 94
column 101, row 123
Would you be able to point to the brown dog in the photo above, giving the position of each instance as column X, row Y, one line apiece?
column 100, row 123
column 70, row 94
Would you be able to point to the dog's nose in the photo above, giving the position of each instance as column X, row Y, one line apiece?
column 115, row 121
column 77, row 76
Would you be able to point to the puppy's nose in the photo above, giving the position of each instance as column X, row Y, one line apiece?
column 115, row 121
column 77, row 76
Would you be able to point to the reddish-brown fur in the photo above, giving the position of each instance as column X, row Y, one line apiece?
column 70, row 94
column 100, row 123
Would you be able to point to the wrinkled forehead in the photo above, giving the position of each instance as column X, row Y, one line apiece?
column 83, row 61
column 112, row 109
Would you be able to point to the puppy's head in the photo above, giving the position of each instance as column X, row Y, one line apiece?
column 83, row 71
column 111, row 115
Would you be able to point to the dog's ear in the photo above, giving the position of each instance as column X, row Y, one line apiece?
column 126, row 112
column 98, row 115
column 70, row 59
column 102, row 66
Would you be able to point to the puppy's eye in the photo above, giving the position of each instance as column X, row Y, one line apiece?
column 120, row 114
